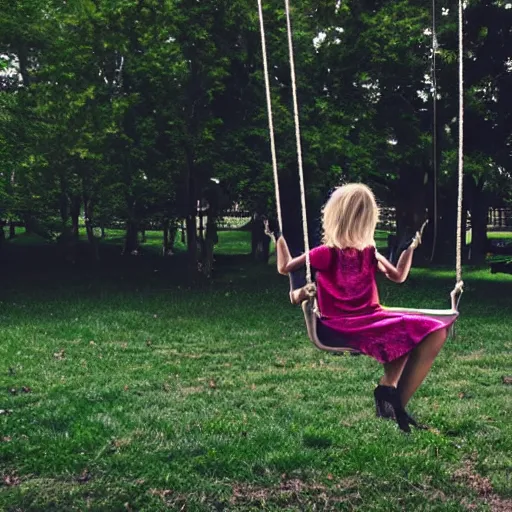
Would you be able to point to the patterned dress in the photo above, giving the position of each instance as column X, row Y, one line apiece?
column 349, row 303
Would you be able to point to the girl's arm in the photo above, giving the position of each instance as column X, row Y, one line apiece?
column 285, row 262
column 399, row 273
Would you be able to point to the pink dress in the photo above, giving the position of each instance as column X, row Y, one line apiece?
column 349, row 302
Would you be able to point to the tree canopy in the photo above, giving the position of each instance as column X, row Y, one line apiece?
column 125, row 110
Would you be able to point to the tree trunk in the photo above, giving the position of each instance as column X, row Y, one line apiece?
column 192, row 210
column 192, row 240
column 68, row 245
column 12, row 229
column 292, row 215
column 411, row 208
column 183, row 233
column 169, row 237
column 447, row 227
column 409, row 218
column 131, row 241
column 67, row 240
column 211, row 240
column 30, row 223
column 412, row 201
column 143, row 238
column 166, row 245
column 201, row 225
column 2, row 234
column 292, row 220
column 76, row 204
column 93, row 242
column 64, row 203
column 173, row 229
column 23, row 64
column 478, row 208
column 260, row 242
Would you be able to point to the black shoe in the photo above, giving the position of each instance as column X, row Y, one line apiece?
column 389, row 405
column 414, row 423
column 385, row 410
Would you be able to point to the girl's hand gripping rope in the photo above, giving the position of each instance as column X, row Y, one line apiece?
column 307, row 292
column 416, row 241
column 273, row 234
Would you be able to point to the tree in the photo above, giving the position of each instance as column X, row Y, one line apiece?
column 126, row 110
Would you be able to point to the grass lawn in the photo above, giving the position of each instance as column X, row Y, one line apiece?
column 124, row 388
column 499, row 234
column 492, row 235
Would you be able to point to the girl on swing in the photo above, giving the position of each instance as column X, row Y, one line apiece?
column 346, row 265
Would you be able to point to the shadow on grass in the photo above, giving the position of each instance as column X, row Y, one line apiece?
column 41, row 273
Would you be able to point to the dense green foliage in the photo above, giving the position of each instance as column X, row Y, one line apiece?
column 124, row 110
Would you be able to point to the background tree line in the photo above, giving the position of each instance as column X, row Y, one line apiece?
column 126, row 110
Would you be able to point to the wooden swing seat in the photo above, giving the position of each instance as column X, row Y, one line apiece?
column 329, row 340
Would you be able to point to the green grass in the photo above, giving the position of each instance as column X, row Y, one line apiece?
column 499, row 234
column 504, row 235
column 231, row 242
column 26, row 240
column 147, row 393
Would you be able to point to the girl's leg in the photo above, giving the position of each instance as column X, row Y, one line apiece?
column 387, row 400
column 393, row 371
column 419, row 363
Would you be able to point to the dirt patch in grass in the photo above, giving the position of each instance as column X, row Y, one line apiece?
column 482, row 486
column 297, row 492
column 292, row 492
column 192, row 390
column 470, row 478
column 11, row 479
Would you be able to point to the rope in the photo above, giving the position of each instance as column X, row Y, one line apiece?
column 458, row 263
column 434, row 124
column 461, row 147
column 298, row 143
column 270, row 117
column 458, row 270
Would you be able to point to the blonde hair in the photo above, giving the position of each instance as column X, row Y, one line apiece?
column 350, row 217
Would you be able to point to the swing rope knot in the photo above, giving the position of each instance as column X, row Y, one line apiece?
column 456, row 294
column 311, row 297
